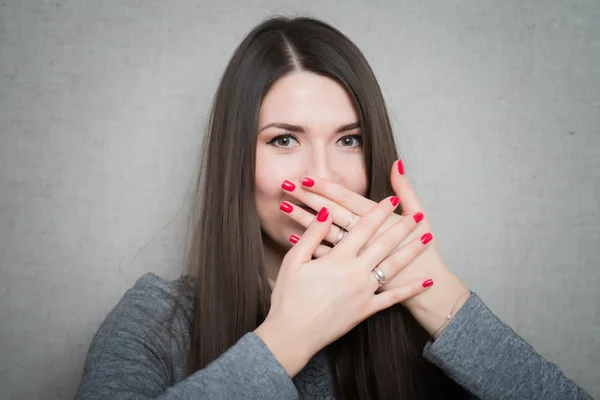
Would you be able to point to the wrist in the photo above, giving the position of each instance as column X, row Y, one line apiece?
column 432, row 307
column 289, row 348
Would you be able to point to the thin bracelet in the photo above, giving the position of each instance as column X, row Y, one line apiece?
column 451, row 314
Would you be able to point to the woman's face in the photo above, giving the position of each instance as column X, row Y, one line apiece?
column 307, row 127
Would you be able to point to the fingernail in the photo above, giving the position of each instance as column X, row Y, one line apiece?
column 286, row 207
column 294, row 239
column 289, row 186
column 322, row 215
column 426, row 238
column 418, row 217
column 400, row 167
column 428, row 283
column 395, row 200
column 308, row 182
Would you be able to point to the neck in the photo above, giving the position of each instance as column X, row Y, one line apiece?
column 273, row 257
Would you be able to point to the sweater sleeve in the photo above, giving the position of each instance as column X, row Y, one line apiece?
column 140, row 353
column 490, row 360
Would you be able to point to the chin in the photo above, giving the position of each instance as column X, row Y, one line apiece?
column 280, row 232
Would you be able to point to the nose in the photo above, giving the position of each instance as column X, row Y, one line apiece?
column 319, row 164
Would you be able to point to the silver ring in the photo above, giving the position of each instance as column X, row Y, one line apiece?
column 340, row 236
column 349, row 222
column 379, row 276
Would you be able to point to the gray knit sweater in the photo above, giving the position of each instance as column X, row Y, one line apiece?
column 140, row 353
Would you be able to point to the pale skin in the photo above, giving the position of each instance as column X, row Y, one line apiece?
column 308, row 129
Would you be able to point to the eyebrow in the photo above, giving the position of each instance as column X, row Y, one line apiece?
column 298, row 128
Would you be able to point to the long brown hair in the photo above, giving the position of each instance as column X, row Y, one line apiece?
column 380, row 358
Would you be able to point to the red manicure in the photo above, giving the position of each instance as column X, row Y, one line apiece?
column 308, row 182
column 322, row 215
column 395, row 200
column 400, row 167
column 294, row 239
column 289, row 186
column 286, row 207
column 418, row 217
column 426, row 238
column 428, row 283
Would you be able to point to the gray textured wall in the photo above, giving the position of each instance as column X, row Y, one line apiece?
column 102, row 108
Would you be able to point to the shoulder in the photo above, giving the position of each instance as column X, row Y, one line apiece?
column 156, row 300
column 154, row 291
column 154, row 308
column 143, row 340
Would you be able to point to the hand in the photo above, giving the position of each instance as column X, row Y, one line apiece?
column 314, row 302
column 349, row 208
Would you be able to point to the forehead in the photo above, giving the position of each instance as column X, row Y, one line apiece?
column 307, row 99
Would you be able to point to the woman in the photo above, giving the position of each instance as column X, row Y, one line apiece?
column 304, row 281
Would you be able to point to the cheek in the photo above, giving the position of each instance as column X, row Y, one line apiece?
column 354, row 175
column 266, row 184
column 269, row 175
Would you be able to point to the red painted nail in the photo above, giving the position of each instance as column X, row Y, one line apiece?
column 400, row 167
column 395, row 200
column 418, row 217
column 308, row 182
column 294, row 239
column 426, row 238
column 286, row 207
column 428, row 283
column 289, row 186
column 322, row 215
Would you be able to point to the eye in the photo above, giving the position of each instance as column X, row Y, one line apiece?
column 286, row 141
column 350, row 141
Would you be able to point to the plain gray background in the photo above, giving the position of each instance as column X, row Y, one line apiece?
column 103, row 105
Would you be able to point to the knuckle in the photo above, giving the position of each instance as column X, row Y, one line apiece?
column 403, row 257
column 401, row 229
column 410, row 253
column 401, row 294
column 417, row 247
column 395, row 297
column 384, row 265
column 377, row 247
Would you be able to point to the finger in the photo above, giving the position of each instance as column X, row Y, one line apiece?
column 312, row 238
column 368, row 225
column 398, row 260
column 408, row 198
column 305, row 218
column 340, row 215
column 382, row 246
column 319, row 252
column 390, row 297
column 351, row 201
